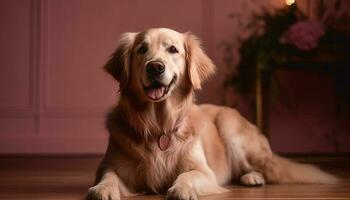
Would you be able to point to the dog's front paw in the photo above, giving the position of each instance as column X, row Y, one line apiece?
column 103, row 192
column 180, row 192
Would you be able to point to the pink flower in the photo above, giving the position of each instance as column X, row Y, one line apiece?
column 304, row 35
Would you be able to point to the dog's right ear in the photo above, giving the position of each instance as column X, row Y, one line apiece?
column 119, row 63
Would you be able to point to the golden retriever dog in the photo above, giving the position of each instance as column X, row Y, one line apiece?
column 161, row 142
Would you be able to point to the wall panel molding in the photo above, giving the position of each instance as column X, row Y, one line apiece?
column 29, row 109
column 53, row 145
column 46, row 108
column 208, row 26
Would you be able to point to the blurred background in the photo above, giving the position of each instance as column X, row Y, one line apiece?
column 283, row 64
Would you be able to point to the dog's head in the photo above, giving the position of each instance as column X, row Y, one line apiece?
column 157, row 61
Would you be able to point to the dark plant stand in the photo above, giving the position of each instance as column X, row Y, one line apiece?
column 337, row 66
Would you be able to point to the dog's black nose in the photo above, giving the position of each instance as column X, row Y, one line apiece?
column 154, row 69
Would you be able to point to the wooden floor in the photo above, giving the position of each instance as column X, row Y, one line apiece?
column 64, row 178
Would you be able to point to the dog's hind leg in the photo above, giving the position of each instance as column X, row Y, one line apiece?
column 252, row 178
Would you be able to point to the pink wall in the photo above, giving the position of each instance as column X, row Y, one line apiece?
column 54, row 94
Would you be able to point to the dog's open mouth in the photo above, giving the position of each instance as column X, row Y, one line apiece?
column 157, row 90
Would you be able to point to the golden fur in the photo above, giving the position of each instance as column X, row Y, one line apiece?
column 211, row 146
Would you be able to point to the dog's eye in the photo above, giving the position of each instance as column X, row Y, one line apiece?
column 172, row 49
column 142, row 50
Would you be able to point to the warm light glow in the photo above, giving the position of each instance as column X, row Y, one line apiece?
column 290, row 2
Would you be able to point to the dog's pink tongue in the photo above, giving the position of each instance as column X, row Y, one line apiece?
column 156, row 93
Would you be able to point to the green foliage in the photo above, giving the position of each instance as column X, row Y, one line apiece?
column 264, row 50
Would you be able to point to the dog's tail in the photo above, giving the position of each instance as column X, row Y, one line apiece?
column 281, row 170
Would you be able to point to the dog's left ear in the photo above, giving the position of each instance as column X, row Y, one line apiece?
column 199, row 65
column 119, row 64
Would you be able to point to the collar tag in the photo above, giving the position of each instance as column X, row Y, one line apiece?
column 164, row 142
